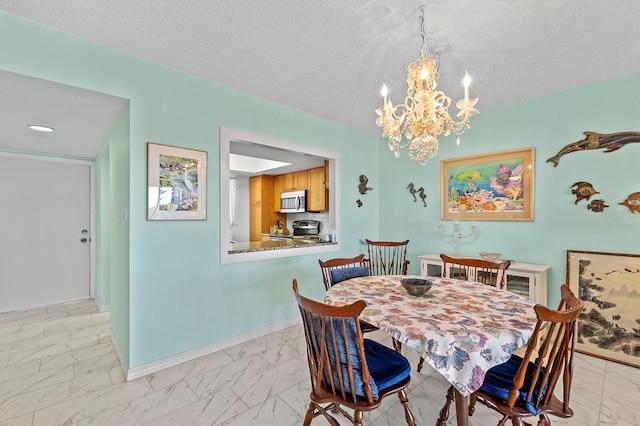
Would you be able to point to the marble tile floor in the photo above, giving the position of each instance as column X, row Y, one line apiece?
column 58, row 367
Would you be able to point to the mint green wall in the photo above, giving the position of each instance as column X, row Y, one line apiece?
column 547, row 123
column 169, row 293
column 119, row 231
column 102, row 235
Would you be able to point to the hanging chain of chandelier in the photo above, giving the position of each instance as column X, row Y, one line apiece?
column 424, row 114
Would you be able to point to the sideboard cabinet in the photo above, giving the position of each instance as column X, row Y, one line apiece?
column 526, row 279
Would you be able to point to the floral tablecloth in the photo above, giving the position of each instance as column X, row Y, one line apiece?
column 461, row 328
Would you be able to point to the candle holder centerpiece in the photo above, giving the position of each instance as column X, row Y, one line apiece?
column 455, row 233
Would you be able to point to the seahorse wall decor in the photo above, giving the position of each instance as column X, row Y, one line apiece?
column 420, row 191
column 412, row 191
column 609, row 142
column 423, row 196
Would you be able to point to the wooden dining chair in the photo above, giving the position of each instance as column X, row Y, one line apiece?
column 388, row 257
column 523, row 386
column 344, row 267
column 346, row 369
column 470, row 269
column 478, row 270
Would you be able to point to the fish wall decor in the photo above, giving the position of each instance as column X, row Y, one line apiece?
column 597, row 206
column 632, row 202
column 609, row 142
column 583, row 191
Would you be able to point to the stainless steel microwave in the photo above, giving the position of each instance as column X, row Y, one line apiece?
column 293, row 202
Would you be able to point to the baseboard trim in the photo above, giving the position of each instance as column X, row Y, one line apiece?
column 123, row 361
column 170, row 361
column 102, row 308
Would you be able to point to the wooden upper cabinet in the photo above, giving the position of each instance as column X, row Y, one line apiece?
column 317, row 192
column 287, row 182
column 261, row 213
column 313, row 180
column 278, row 187
column 295, row 181
column 300, row 180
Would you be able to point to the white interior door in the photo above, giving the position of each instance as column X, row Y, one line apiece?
column 45, row 213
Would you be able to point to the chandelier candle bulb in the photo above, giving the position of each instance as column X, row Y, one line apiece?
column 467, row 82
column 384, row 92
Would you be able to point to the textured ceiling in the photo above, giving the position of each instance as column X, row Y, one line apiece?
column 330, row 57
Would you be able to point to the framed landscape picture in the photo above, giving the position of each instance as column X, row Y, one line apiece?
column 609, row 285
column 176, row 183
column 497, row 186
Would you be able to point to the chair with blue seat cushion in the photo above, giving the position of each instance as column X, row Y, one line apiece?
column 347, row 370
column 342, row 274
column 355, row 267
column 344, row 268
column 523, row 387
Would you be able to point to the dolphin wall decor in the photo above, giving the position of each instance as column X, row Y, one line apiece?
column 608, row 141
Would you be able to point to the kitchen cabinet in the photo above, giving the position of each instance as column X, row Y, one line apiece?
column 526, row 279
column 317, row 192
column 261, row 213
column 295, row 181
column 278, row 185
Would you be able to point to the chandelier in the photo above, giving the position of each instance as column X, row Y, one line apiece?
column 424, row 114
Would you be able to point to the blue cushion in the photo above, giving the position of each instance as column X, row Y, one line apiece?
column 386, row 366
column 353, row 355
column 499, row 380
column 342, row 274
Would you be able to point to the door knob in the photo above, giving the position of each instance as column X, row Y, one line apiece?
column 83, row 240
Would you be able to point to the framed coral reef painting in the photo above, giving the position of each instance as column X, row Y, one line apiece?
column 176, row 183
column 609, row 285
column 497, row 186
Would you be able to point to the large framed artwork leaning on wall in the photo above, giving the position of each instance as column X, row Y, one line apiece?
column 609, row 284
column 496, row 186
column 176, row 183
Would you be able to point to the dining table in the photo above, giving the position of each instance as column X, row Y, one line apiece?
column 460, row 328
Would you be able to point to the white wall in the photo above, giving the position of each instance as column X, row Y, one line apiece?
column 240, row 231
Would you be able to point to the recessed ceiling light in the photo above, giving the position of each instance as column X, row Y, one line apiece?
column 41, row 128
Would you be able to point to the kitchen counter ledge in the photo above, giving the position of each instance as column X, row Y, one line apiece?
column 253, row 246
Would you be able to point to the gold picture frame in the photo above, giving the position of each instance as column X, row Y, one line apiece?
column 609, row 285
column 495, row 186
column 176, row 183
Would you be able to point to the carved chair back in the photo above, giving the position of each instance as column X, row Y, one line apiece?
column 478, row 270
column 388, row 257
column 327, row 266
column 338, row 366
column 547, row 360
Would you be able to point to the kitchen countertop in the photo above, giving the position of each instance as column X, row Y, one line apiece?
column 245, row 247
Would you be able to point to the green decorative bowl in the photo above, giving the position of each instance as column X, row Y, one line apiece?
column 416, row 286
